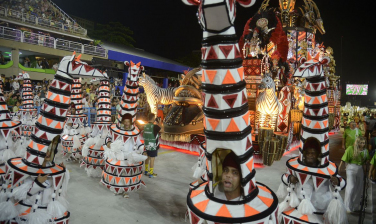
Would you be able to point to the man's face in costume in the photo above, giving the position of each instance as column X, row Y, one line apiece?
column 126, row 124
column 311, row 156
column 230, row 179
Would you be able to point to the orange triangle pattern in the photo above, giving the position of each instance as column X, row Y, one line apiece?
column 317, row 125
column 305, row 218
column 224, row 212
column 308, row 122
column 267, row 201
column 241, row 73
column 214, row 123
column 325, row 123
column 58, row 126
column 264, row 189
column 249, row 211
column 228, row 78
column 232, row 127
column 316, row 101
column 211, row 75
column 196, row 192
column 250, row 165
column 307, row 98
column 202, row 205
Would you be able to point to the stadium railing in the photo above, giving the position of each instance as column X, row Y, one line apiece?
column 47, row 41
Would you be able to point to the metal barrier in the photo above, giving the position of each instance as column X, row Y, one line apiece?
column 93, row 50
column 68, row 45
column 47, row 41
column 10, row 34
column 37, row 39
column 39, row 21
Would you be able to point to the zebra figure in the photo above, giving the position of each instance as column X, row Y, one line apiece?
column 156, row 95
column 267, row 105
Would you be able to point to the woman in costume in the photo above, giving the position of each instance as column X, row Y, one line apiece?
column 355, row 158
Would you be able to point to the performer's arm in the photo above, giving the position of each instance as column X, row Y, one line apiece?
column 38, row 184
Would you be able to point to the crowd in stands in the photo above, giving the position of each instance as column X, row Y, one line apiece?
column 38, row 8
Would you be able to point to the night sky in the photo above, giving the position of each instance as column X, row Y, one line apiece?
column 170, row 29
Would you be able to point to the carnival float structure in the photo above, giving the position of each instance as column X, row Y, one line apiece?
column 25, row 197
column 273, row 42
column 227, row 124
column 124, row 161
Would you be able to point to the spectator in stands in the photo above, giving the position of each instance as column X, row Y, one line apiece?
column 15, row 85
column 45, row 64
column 17, row 107
column 87, row 89
column 37, row 101
column 27, row 62
column 117, row 92
column 85, row 102
column 7, row 85
column 371, row 123
column 92, row 95
column 12, row 100
column 43, row 92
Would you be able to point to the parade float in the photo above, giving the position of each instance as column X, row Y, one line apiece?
column 273, row 42
column 36, row 185
column 182, row 126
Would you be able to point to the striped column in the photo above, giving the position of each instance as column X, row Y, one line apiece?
column 27, row 112
column 226, row 123
column 51, row 118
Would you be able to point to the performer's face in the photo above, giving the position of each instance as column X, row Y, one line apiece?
column 311, row 157
column 127, row 124
column 362, row 144
column 230, row 179
column 352, row 125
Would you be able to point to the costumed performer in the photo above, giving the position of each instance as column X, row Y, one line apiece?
column 310, row 199
column 350, row 134
column 355, row 157
column 93, row 148
column 124, row 160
